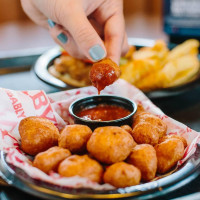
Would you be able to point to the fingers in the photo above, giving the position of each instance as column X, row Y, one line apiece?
column 64, row 39
column 114, row 37
column 85, row 36
column 125, row 46
column 33, row 13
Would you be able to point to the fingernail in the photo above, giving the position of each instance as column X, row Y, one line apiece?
column 62, row 37
column 51, row 23
column 97, row 52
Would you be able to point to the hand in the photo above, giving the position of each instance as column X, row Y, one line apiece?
column 90, row 29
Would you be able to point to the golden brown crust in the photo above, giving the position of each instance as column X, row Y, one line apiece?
column 140, row 110
column 127, row 128
column 110, row 144
column 143, row 157
column 168, row 154
column 162, row 139
column 145, row 133
column 104, row 73
column 153, row 120
column 37, row 135
column 82, row 166
column 137, row 118
column 122, row 175
column 50, row 159
column 74, row 137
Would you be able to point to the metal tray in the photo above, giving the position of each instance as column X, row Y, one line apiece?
column 46, row 60
column 19, row 179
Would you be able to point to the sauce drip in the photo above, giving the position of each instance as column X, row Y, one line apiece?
column 104, row 73
column 103, row 112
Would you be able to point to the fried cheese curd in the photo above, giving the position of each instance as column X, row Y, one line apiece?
column 82, row 166
column 162, row 139
column 153, row 120
column 74, row 137
column 37, row 135
column 50, row 159
column 122, row 175
column 140, row 110
column 110, row 144
column 145, row 133
column 104, row 73
column 168, row 154
column 143, row 157
column 127, row 128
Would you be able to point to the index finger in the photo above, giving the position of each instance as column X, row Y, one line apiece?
column 114, row 31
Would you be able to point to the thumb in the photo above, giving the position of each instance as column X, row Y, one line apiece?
column 85, row 36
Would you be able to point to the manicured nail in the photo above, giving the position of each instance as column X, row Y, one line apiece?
column 62, row 37
column 97, row 52
column 51, row 23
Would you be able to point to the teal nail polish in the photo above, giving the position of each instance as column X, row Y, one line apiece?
column 62, row 37
column 51, row 23
column 97, row 52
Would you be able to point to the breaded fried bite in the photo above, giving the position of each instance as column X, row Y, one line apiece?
column 122, row 175
column 140, row 110
column 168, row 154
column 127, row 128
column 104, row 73
column 145, row 133
column 162, row 139
column 110, row 144
column 37, row 134
column 50, row 159
column 74, row 137
column 153, row 120
column 82, row 166
column 143, row 157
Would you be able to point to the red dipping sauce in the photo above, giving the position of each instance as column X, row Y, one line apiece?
column 103, row 112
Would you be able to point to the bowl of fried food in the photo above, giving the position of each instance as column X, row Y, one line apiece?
column 109, row 161
column 121, row 156
column 151, row 68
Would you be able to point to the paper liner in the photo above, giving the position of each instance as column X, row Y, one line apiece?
column 16, row 105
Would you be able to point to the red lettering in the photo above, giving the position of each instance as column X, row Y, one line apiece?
column 39, row 100
column 14, row 100
column 9, row 94
column 17, row 111
column 48, row 113
column 21, row 115
column 25, row 92
column 17, row 106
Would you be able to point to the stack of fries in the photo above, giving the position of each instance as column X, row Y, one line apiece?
column 156, row 67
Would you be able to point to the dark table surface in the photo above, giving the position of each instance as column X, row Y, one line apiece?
column 184, row 108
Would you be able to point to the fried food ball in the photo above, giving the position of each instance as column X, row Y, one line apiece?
column 110, row 144
column 137, row 118
column 122, row 174
column 50, row 159
column 82, row 166
column 104, row 73
column 140, row 110
column 153, row 120
column 127, row 128
column 143, row 156
column 74, row 137
column 145, row 133
column 37, row 134
column 168, row 154
column 162, row 139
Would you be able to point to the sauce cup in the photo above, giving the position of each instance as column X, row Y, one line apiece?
column 94, row 101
